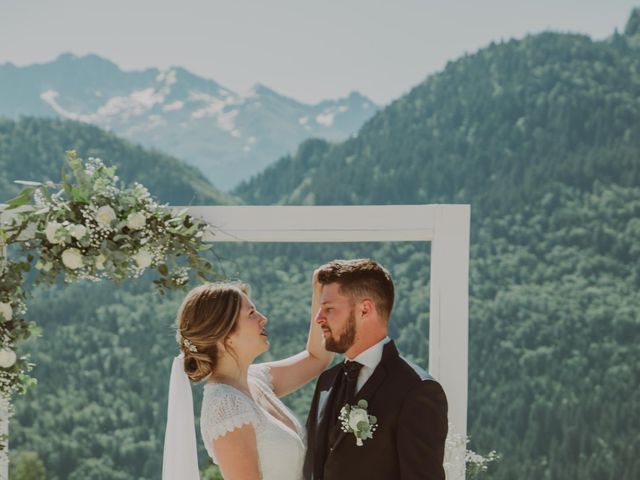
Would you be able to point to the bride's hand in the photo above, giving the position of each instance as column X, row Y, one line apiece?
column 316, row 287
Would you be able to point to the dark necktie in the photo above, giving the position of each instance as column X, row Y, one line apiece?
column 346, row 386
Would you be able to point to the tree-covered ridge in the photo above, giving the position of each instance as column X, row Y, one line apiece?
column 554, row 274
column 490, row 129
column 34, row 149
column 555, row 336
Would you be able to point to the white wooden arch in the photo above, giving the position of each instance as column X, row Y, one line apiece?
column 447, row 227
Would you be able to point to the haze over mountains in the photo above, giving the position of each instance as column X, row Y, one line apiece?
column 228, row 135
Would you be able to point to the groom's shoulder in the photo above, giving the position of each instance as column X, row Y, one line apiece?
column 410, row 375
column 413, row 370
column 418, row 383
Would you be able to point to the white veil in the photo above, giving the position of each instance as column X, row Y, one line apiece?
column 180, row 460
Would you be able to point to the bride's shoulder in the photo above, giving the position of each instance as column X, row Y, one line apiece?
column 225, row 408
column 217, row 392
column 261, row 373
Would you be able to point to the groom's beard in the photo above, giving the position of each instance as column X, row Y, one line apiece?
column 346, row 339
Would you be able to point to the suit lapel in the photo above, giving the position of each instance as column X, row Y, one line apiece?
column 369, row 389
column 322, row 425
column 367, row 392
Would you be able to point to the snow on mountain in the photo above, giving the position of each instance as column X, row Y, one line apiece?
column 229, row 136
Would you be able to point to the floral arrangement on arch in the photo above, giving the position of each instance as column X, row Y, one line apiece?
column 89, row 228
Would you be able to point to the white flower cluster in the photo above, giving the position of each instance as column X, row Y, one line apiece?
column 355, row 419
column 93, row 165
column 7, row 354
column 90, row 229
column 456, row 451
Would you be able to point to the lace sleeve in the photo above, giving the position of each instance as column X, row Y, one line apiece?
column 224, row 410
column 262, row 373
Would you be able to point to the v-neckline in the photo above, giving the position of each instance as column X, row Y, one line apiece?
column 265, row 412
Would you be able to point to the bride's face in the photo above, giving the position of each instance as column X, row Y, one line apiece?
column 250, row 338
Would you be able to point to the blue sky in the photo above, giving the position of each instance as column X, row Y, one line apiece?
column 309, row 50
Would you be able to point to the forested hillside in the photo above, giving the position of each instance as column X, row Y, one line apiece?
column 492, row 129
column 542, row 137
column 34, row 149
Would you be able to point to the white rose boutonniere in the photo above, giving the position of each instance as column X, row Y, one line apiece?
column 72, row 258
column 105, row 215
column 136, row 221
column 355, row 419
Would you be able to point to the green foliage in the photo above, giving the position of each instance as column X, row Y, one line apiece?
column 26, row 466
column 633, row 24
column 211, row 472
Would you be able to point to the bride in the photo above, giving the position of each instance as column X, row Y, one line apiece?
column 247, row 431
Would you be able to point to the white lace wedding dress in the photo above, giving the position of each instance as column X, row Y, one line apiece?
column 280, row 448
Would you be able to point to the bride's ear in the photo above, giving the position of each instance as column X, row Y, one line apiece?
column 226, row 346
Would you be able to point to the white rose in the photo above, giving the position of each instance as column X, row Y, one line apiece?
column 78, row 231
column 143, row 258
column 45, row 267
column 105, row 215
column 51, row 232
column 72, row 258
column 356, row 416
column 28, row 233
column 6, row 311
column 7, row 358
column 100, row 259
column 136, row 221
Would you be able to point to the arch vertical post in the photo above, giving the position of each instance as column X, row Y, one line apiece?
column 449, row 319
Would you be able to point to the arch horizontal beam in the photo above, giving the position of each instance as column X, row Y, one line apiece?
column 372, row 223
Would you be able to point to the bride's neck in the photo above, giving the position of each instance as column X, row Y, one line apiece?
column 232, row 372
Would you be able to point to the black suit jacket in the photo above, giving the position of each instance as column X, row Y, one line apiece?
column 411, row 409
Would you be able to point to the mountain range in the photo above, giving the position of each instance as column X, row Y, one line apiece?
column 229, row 136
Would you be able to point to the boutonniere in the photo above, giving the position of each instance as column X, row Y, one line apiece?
column 355, row 419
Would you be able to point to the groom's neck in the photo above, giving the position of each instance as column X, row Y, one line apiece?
column 365, row 342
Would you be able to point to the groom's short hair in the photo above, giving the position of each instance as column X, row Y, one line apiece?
column 361, row 278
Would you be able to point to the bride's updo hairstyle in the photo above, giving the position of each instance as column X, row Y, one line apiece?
column 208, row 315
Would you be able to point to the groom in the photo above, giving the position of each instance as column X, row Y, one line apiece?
column 409, row 406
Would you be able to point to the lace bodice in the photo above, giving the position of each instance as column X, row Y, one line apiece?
column 224, row 408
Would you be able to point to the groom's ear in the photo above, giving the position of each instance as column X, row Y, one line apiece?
column 366, row 308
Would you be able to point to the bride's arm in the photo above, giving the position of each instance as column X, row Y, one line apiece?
column 292, row 373
column 237, row 454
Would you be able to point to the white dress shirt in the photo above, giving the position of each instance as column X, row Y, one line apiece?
column 369, row 359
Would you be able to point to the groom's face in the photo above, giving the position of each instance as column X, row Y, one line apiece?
column 337, row 318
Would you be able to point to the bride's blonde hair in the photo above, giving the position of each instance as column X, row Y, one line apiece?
column 208, row 315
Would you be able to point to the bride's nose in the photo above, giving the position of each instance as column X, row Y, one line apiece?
column 264, row 320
